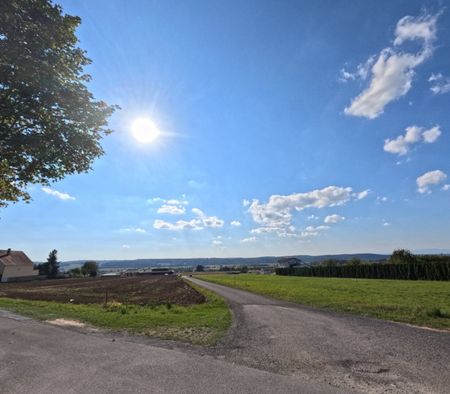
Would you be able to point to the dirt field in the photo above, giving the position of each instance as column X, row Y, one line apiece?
column 141, row 290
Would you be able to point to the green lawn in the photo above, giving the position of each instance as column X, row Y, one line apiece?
column 424, row 303
column 200, row 324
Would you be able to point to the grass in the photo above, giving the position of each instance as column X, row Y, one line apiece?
column 423, row 303
column 201, row 324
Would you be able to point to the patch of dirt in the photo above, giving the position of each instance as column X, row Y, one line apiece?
column 66, row 323
column 141, row 290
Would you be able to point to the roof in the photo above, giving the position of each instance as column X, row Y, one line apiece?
column 15, row 257
column 288, row 260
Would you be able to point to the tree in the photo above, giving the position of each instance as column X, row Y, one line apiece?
column 53, row 264
column 354, row 261
column 200, row 268
column 402, row 256
column 244, row 269
column 50, row 124
column 90, row 268
column 75, row 272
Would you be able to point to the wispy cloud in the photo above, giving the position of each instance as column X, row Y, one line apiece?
column 235, row 223
column 171, row 209
column 439, row 84
column 425, row 181
column 275, row 216
column 247, row 240
column 57, row 194
column 138, row 230
column 393, row 70
column 414, row 134
column 331, row 219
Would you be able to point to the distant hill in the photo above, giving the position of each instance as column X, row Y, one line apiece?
column 190, row 262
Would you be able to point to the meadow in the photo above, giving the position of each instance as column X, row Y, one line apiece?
column 423, row 303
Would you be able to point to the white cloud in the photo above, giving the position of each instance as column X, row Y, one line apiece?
column 312, row 217
column 247, row 240
column 194, row 224
column 431, row 135
column 133, row 230
column 361, row 72
column 386, row 224
column 208, row 221
column 414, row 134
column 235, row 223
column 361, row 195
column 172, row 209
column 428, row 179
column 217, row 242
column 440, row 84
column 57, row 194
column 126, row 246
column 276, row 215
column 245, row 203
column 331, row 219
column 393, row 71
column 446, row 187
column 177, row 202
column 312, row 231
column 382, row 199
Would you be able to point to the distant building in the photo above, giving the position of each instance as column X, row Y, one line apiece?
column 289, row 262
column 15, row 265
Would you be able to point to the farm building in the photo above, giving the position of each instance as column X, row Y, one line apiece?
column 15, row 265
column 289, row 262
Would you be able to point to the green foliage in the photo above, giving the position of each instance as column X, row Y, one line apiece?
column 90, row 268
column 199, row 268
column 244, row 269
column 402, row 256
column 402, row 265
column 329, row 263
column 53, row 264
column 423, row 303
column 50, row 124
column 75, row 272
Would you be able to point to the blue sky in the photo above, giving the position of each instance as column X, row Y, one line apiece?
column 286, row 128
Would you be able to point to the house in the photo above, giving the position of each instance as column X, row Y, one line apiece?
column 15, row 265
column 289, row 262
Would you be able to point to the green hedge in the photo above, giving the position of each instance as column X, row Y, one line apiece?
column 413, row 271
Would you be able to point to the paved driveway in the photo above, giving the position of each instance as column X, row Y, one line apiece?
column 347, row 351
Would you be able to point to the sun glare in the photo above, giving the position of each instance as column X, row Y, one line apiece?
column 144, row 130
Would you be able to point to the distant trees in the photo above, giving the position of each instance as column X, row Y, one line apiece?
column 89, row 268
column 51, row 267
column 244, row 269
column 402, row 256
column 200, row 268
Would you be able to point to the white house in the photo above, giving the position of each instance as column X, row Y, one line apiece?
column 15, row 265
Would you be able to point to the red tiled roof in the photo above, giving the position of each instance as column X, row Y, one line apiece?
column 16, row 257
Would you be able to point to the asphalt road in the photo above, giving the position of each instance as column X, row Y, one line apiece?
column 346, row 351
column 40, row 358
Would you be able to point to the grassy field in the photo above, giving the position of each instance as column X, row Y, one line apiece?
column 200, row 324
column 424, row 303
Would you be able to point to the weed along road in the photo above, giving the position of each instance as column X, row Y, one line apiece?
column 346, row 351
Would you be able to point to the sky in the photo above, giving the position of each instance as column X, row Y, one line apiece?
column 285, row 128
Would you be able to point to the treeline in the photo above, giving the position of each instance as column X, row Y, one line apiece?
column 401, row 265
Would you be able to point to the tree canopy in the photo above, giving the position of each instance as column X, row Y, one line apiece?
column 50, row 124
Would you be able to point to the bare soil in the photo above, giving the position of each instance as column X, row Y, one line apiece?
column 142, row 290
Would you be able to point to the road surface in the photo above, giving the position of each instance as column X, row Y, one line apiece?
column 40, row 358
column 346, row 351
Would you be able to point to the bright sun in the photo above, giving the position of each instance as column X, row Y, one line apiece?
column 144, row 130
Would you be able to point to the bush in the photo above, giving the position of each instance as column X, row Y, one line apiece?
column 429, row 270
